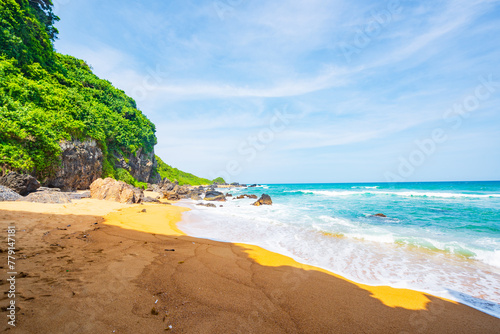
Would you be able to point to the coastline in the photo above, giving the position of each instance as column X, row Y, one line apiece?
column 100, row 269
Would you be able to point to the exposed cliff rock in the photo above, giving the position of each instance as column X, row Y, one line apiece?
column 141, row 166
column 81, row 164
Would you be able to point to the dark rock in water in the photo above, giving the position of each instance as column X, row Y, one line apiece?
column 81, row 164
column 215, row 196
column 252, row 185
column 229, row 195
column 47, row 197
column 23, row 184
column 245, row 195
column 112, row 190
column 7, row 194
column 208, row 205
column 379, row 215
column 264, row 200
column 235, row 184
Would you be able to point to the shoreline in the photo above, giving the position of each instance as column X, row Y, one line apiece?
column 205, row 285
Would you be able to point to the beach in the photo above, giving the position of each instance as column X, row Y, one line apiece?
column 96, row 266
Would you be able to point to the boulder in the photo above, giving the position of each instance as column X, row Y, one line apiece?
column 148, row 199
column 81, row 164
column 229, row 195
column 119, row 191
column 7, row 194
column 23, row 184
column 381, row 215
column 194, row 195
column 47, row 197
column 214, row 196
column 264, row 200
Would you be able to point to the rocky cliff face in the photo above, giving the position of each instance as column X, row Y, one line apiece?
column 81, row 164
column 141, row 166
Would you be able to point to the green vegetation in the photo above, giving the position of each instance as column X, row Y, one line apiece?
column 124, row 175
column 173, row 174
column 47, row 98
column 219, row 180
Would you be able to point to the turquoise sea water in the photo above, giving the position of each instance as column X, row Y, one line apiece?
column 438, row 237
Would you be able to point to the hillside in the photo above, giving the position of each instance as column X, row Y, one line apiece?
column 52, row 105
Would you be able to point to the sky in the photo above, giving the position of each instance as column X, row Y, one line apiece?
column 297, row 91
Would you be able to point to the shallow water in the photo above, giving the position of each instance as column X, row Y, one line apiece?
column 441, row 237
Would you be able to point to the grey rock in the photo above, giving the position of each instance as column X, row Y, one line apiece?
column 47, row 197
column 148, row 199
column 48, row 189
column 81, row 164
column 77, row 196
column 7, row 194
column 23, row 184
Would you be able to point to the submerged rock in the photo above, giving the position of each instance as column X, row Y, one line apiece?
column 264, row 200
column 7, row 194
column 245, row 195
column 208, row 205
column 119, row 191
column 23, row 184
column 379, row 215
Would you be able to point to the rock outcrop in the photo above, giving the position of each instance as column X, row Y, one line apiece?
column 47, row 197
column 81, row 164
column 264, row 200
column 23, row 184
column 112, row 190
column 7, row 194
column 214, row 196
column 141, row 166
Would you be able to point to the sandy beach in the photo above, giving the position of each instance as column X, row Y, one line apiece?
column 97, row 266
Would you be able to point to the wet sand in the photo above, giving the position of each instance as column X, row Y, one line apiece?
column 102, row 267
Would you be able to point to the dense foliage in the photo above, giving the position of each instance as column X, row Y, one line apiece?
column 173, row 174
column 46, row 98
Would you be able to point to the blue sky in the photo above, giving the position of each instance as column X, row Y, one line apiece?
column 304, row 91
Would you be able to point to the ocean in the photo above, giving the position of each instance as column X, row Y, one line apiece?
column 441, row 238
